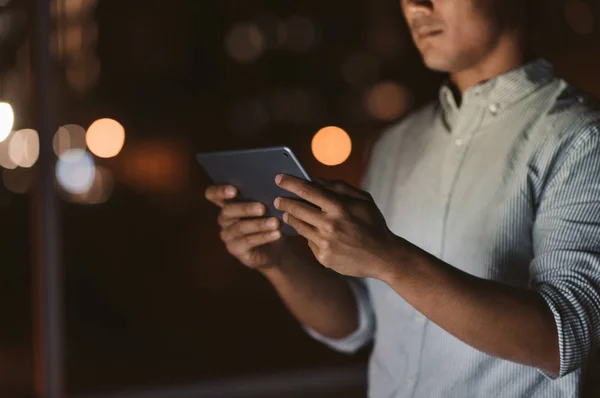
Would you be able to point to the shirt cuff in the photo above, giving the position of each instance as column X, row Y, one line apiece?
column 366, row 323
column 568, row 346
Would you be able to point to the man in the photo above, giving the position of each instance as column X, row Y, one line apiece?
column 474, row 258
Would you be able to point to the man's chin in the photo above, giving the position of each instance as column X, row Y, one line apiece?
column 438, row 63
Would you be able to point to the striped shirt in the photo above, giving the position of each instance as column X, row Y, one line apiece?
column 505, row 187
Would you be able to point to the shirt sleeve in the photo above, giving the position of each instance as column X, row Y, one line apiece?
column 366, row 322
column 566, row 243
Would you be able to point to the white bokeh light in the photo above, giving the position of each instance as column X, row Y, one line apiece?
column 69, row 136
column 75, row 171
column 24, row 148
column 7, row 120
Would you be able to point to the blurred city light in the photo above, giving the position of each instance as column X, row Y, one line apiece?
column 69, row 136
column 7, row 120
column 100, row 190
column 245, row 42
column 75, row 171
column 5, row 160
column 83, row 71
column 361, row 69
column 388, row 101
column 24, row 147
column 18, row 181
column 580, row 17
column 156, row 167
column 301, row 34
column 331, row 146
column 105, row 138
column 274, row 30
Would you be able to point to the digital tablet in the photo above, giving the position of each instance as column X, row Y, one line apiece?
column 252, row 172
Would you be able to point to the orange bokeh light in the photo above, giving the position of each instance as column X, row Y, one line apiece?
column 105, row 138
column 331, row 146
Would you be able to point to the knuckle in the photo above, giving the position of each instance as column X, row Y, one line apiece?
column 329, row 227
column 304, row 191
column 250, row 241
column 323, row 256
column 325, row 244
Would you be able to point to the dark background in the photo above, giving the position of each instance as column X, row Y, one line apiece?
column 152, row 298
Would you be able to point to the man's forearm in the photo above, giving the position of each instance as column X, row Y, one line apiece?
column 501, row 320
column 317, row 297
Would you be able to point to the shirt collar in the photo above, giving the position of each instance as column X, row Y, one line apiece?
column 501, row 91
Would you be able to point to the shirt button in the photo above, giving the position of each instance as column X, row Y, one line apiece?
column 581, row 99
column 494, row 108
column 459, row 142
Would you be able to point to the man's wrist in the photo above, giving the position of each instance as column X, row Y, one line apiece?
column 396, row 261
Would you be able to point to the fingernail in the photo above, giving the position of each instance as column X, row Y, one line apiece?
column 276, row 203
column 230, row 191
column 257, row 209
column 285, row 217
column 278, row 179
column 275, row 234
column 272, row 223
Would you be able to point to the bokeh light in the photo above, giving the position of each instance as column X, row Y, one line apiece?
column 18, row 181
column 75, row 171
column 388, row 101
column 7, row 120
column 105, row 138
column 100, row 190
column 83, row 71
column 69, row 136
column 579, row 17
column 5, row 160
column 24, row 147
column 301, row 34
column 156, row 167
column 274, row 30
column 245, row 42
column 331, row 146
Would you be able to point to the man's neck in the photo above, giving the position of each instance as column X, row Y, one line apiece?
column 506, row 56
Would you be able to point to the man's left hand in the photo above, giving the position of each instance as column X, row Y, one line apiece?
column 348, row 235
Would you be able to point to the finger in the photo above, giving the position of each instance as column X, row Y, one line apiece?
column 248, row 227
column 309, row 192
column 242, row 210
column 301, row 211
column 303, row 229
column 246, row 243
column 217, row 194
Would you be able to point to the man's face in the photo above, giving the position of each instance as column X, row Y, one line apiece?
column 451, row 35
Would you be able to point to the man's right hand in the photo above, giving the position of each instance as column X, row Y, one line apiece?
column 252, row 239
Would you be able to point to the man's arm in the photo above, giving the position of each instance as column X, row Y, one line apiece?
column 326, row 303
column 501, row 320
column 555, row 324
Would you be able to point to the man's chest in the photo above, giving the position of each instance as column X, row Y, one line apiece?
column 466, row 197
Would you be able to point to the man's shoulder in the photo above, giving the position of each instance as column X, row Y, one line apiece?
column 573, row 117
column 573, row 111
